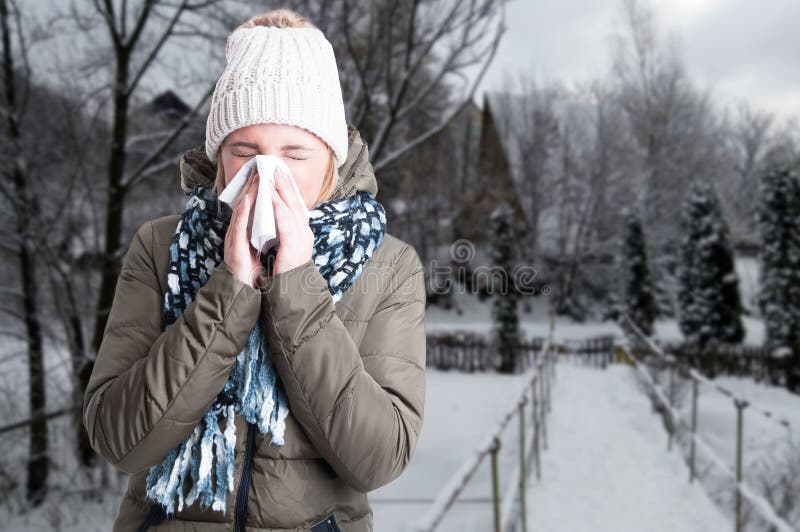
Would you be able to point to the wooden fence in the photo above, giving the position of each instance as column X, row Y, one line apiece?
column 470, row 352
column 731, row 359
column 595, row 351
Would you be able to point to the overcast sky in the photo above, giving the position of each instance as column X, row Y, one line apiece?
column 742, row 49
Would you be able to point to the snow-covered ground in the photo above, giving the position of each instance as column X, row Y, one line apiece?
column 607, row 467
column 771, row 450
column 460, row 409
column 472, row 314
column 766, row 441
column 668, row 331
column 475, row 316
column 717, row 417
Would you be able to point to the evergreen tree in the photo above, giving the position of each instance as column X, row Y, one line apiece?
column 638, row 300
column 505, row 319
column 779, row 221
column 709, row 305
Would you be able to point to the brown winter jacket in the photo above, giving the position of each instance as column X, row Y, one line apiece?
column 354, row 375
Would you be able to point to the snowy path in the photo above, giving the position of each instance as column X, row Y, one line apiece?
column 607, row 466
column 460, row 408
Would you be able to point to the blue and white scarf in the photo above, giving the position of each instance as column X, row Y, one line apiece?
column 346, row 233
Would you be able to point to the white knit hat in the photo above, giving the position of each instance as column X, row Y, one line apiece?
column 282, row 76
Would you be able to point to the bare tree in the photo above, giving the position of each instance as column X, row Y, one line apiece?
column 568, row 149
column 55, row 204
column 398, row 55
column 588, row 267
column 676, row 135
column 138, row 35
column 23, row 238
column 127, row 44
column 749, row 137
column 671, row 123
column 528, row 121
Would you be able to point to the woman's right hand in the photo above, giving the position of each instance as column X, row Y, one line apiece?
column 240, row 256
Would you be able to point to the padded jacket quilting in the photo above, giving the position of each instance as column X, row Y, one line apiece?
column 354, row 375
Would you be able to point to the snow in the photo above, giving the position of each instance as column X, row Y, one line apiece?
column 460, row 410
column 767, row 441
column 476, row 317
column 668, row 331
column 748, row 270
column 607, row 467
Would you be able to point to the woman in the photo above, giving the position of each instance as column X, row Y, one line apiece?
column 269, row 391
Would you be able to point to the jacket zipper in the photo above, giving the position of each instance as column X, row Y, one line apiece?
column 327, row 525
column 154, row 517
column 333, row 525
column 244, row 483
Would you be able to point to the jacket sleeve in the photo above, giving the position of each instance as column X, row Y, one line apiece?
column 149, row 387
column 361, row 407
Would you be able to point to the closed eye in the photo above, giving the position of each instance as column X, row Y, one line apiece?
column 253, row 155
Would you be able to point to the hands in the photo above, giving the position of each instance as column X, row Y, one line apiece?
column 296, row 238
column 240, row 256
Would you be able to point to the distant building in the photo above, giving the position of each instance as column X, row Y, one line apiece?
column 168, row 105
column 150, row 125
column 493, row 181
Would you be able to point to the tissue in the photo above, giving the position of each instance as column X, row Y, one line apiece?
column 262, row 224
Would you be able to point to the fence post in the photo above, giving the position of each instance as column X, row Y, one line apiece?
column 496, row 485
column 547, row 375
column 694, row 429
column 671, row 432
column 550, row 335
column 523, row 476
column 535, row 408
column 740, row 406
column 542, row 407
column 548, row 400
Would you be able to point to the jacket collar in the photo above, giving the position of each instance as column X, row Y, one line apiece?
column 355, row 174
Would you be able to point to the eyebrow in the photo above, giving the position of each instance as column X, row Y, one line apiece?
column 286, row 147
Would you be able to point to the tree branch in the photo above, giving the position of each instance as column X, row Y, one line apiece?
column 139, row 174
column 385, row 161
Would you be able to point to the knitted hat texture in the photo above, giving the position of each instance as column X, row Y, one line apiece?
column 282, row 76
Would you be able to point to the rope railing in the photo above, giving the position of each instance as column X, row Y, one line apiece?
column 504, row 517
column 696, row 375
column 742, row 489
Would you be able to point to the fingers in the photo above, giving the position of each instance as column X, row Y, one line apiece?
column 245, row 200
column 287, row 195
column 278, row 201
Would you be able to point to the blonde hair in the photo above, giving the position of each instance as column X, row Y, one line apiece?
column 283, row 18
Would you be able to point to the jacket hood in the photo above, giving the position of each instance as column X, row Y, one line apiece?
column 355, row 174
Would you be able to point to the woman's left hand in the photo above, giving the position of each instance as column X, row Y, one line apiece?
column 296, row 238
